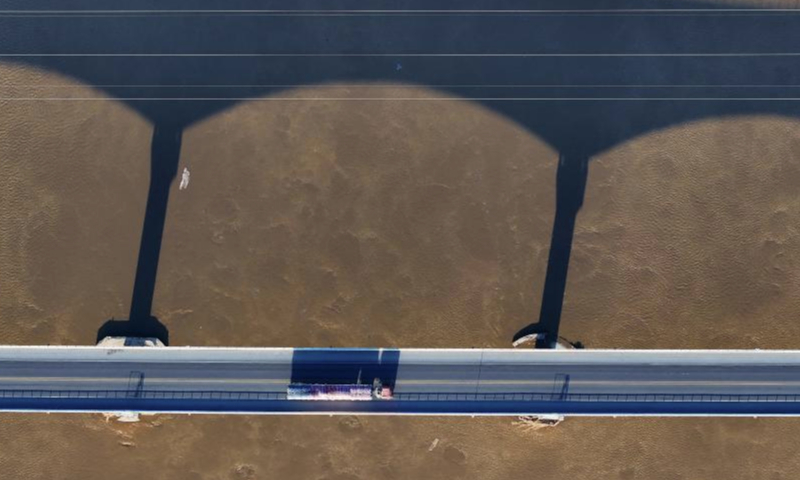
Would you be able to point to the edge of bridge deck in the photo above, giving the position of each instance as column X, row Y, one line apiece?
column 408, row 355
column 124, row 413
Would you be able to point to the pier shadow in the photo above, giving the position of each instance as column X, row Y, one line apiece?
column 345, row 366
column 582, row 104
column 571, row 176
column 164, row 157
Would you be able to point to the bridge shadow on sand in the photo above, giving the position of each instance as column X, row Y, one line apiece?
column 583, row 83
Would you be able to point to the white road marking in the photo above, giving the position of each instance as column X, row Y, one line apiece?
column 401, row 382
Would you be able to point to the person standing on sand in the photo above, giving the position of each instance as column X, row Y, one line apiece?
column 184, row 179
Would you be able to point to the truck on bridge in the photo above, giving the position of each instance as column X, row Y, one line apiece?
column 339, row 392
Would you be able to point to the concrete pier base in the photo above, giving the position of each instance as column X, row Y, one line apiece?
column 130, row 342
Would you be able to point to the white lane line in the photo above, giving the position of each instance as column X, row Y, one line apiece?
column 412, row 86
column 397, row 11
column 395, row 55
column 403, row 99
column 402, row 382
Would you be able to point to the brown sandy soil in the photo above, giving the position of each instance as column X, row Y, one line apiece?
column 357, row 223
column 73, row 185
column 344, row 448
column 688, row 239
column 394, row 223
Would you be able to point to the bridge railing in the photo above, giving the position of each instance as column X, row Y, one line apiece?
column 144, row 394
column 597, row 397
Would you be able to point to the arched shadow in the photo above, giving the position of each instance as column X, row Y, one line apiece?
column 583, row 82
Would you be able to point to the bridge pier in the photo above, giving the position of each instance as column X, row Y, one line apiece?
column 110, row 342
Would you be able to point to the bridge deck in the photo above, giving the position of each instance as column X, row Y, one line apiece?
column 471, row 382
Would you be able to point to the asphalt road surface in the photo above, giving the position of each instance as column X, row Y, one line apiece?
column 472, row 382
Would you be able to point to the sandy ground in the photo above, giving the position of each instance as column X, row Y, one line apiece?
column 379, row 223
column 72, row 196
column 688, row 239
column 394, row 224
